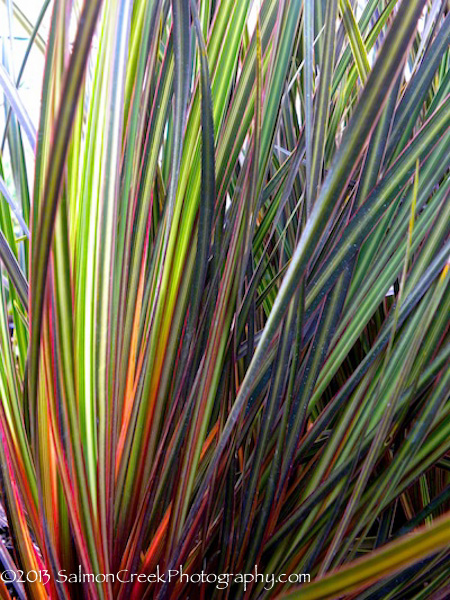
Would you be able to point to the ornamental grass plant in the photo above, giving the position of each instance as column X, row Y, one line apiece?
column 224, row 300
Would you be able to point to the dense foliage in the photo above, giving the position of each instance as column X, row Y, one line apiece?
column 224, row 298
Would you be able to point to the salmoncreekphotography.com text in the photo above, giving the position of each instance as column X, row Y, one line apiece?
column 220, row 580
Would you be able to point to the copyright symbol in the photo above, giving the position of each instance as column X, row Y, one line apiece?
column 8, row 576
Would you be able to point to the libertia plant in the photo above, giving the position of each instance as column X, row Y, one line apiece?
column 224, row 299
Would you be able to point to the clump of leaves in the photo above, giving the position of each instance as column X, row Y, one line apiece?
column 224, row 298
